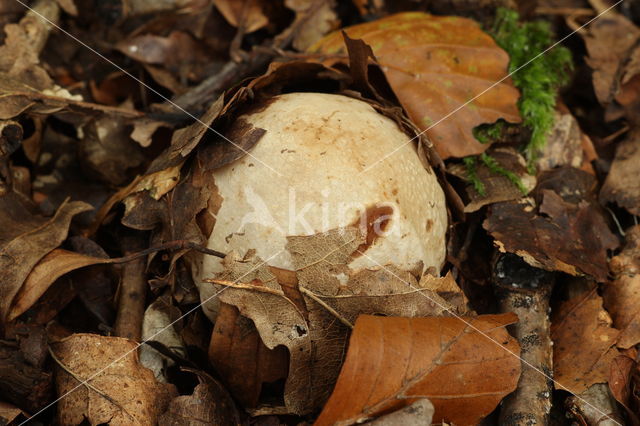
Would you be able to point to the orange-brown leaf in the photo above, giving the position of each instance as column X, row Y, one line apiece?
column 393, row 361
column 434, row 65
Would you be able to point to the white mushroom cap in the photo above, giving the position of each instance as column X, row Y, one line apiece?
column 323, row 162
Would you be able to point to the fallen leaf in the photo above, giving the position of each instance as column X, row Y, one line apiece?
column 20, row 254
column 51, row 267
column 583, row 342
column 567, row 236
column 435, row 64
column 622, row 185
column 608, row 41
column 622, row 295
column 245, row 14
column 209, row 404
column 419, row 413
column 239, row 356
column 497, row 187
column 564, row 144
column 621, row 384
column 159, row 325
column 129, row 394
column 321, row 22
column 310, row 310
column 464, row 366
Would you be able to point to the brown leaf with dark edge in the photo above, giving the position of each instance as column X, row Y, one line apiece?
column 121, row 393
column 622, row 185
column 19, row 255
column 464, row 366
column 568, row 235
column 434, row 65
column 621, row 384
column 583, row 342
column 51, row 267
column 622, row 295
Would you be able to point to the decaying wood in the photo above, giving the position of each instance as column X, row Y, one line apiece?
column 525, row 290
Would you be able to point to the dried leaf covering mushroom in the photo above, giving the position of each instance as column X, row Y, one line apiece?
column 325, row 162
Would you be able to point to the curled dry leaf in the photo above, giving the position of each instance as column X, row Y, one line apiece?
column 569, row 236
column 622, row 185
column 51, row 267
column 622, row 295
column 464, row 366
column 35, row 238
column 124, row 393
column 210, row 404
column 583, row 342
column 435, row 64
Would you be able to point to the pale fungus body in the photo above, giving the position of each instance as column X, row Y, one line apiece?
column 327, row 162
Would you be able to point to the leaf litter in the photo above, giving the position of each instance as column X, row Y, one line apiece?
column 297, row 342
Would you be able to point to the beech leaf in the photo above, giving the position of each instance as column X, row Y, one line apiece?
column 435, row 64
column 394, row 361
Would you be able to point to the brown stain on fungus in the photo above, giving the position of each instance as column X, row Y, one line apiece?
column 373, row 222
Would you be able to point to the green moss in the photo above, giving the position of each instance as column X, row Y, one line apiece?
column 495, row 167
column 538, row 80
column 487, row 133
column 472, row 175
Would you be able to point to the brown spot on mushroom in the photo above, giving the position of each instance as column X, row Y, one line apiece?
column 372, row 223
column 429, row 225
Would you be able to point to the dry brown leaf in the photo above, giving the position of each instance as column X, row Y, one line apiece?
column 622, row 295
column 622, row 185
column 608, row 41
column 583, row 342
column 245, row 14
column 498, row 187
column 240, row 357
column 435, row 64
column 51, row 267
column 18, row 98
column 393, row 361
column 210, row 404
column 20, row 254
column 306, row 310
column 129, row 394
column 321, row 22
column 621, row 385
column 569, row 236
column 420, row 413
